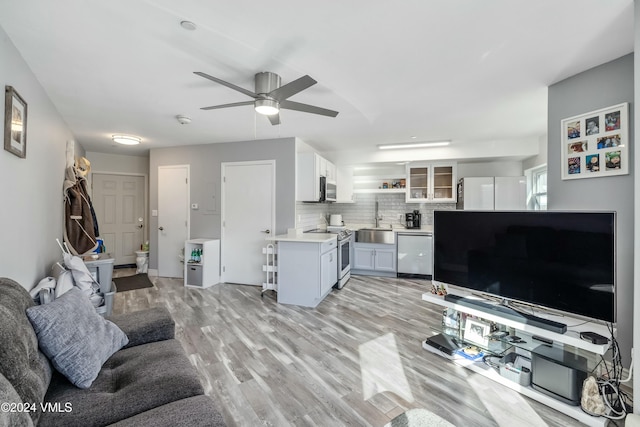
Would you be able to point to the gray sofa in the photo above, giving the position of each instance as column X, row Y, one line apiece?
column 149, row 382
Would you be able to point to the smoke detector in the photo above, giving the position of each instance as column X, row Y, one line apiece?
column 184, row 120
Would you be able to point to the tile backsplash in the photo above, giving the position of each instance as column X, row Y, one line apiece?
column 391, row 206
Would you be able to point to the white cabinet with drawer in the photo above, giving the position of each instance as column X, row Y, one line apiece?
column 307, row 268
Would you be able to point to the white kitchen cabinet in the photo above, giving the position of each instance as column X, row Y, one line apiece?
column 307, row 268
column 331, row 171
column 415, row 254
column 374, row 258
column 310, row 167
column 431, row 182
column 344, row 184
column 328, row 270
column 202, row 270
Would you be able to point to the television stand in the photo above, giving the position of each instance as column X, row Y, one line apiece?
column 530, row 333
column 508, row 313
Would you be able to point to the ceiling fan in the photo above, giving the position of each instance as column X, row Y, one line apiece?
column 269, row 97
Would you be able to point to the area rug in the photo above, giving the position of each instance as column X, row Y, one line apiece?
column 418, row 418
column 130, row 283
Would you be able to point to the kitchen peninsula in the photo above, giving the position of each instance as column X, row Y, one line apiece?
column 307, row 266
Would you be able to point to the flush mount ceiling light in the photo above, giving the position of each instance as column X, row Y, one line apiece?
column 126, row 140
column 413, row 145
column 267, row 107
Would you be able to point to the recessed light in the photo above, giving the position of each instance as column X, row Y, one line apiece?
column 126, row 139
column 188, row 25
column 413, row 145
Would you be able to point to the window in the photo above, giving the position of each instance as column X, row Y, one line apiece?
column 539, row 188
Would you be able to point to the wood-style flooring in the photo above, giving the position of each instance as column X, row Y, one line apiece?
column 355, row 360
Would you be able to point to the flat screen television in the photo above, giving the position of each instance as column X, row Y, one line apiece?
column 561, row 260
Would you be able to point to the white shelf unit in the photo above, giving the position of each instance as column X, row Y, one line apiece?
column 270, row 268
column 364, row 184
column 206, row 272
column 575, row 325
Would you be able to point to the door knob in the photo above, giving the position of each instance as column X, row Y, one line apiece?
column 266, row 231
column 161, row 228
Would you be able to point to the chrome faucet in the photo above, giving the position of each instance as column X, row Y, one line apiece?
column 377, row 215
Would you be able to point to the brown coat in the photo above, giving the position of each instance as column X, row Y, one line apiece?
column 79, row 230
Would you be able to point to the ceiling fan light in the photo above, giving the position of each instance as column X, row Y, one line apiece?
column 126, row 140
column 267, row 107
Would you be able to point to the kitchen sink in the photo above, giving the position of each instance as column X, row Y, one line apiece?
column 376, row 235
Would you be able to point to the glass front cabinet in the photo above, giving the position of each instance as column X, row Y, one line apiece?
column 431, row 182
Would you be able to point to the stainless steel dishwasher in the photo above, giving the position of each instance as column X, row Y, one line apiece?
column 415, row 254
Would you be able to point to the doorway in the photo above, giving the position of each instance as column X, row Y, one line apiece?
column 248, row 217
column 119, row 204
column 173, row 218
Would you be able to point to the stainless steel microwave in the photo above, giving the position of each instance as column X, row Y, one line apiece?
column 328, row 190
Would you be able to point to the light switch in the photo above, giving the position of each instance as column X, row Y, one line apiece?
column 154, row 212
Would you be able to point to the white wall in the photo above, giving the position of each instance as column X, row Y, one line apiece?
column 31, row 217
column 118, row 163
column 636, row 221
column 541, row 158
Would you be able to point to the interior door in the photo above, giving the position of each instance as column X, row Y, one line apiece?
column 173, row 218
column 119, row 201
column 248, row 217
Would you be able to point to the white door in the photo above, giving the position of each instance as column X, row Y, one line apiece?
column 248, row 217
column 119, row 201
column 173, row 218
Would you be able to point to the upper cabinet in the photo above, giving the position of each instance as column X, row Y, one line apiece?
column 431, row 182
column 344, row 179
column 310, row 167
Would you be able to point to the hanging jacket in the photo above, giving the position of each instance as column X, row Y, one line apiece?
column 80, row 228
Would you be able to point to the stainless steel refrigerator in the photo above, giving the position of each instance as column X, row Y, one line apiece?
column 506, row 193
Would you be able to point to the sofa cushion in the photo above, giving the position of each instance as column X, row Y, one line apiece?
column 15, row 417
column 21, row 363
column 132, row 381
column 145, row 326
column 75, row 337
column 194, row 411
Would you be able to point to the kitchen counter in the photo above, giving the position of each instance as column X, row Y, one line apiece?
column 304, row 238
column 427, row 229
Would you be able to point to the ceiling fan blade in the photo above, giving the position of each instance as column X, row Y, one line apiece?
column 290, row 105
column 291, row 88
column 234, row 104
column 227, row 84
column 274, row 119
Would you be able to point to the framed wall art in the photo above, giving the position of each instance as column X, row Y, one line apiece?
column 477, row 331
column 596, row 144
column 15, row 123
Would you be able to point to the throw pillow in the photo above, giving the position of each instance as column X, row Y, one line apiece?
column 75, row 337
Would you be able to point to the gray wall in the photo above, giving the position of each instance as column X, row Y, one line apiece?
column 32, row 214
column 205, row 169
column 608, row 84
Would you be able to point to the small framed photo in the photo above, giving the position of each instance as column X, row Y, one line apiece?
column 15, row 123
column 596, row 144
column 477, row 332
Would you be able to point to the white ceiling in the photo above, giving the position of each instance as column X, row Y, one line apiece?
column 471, row 71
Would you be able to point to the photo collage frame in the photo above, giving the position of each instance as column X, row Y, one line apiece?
column 596, row 144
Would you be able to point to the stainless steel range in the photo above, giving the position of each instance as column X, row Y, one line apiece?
column 345, row 239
